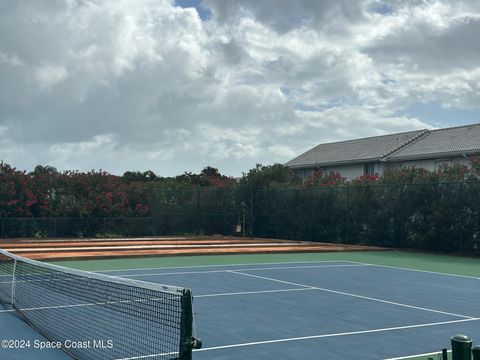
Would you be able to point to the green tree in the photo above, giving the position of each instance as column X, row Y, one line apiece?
column 270, row 176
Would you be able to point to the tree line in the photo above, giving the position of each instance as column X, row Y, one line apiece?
column 405, row 207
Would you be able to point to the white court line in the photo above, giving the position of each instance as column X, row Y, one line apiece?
column 335, row 334
column 158, row 299
column 417, row 355
column 230, row 265
column 309, row 337
column 7, row 311
column 424, row 271
column 155, row 299
column 246, row 269
column 211, row 271
column 354, row 295
column 253, row 292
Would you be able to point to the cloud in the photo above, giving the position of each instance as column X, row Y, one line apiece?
column 50, row 75
column 433, row 38
column 310, row 128
column 148, row 85
column 10, row 59
column 289, row 15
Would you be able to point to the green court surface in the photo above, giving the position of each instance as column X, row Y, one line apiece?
column 444, row 264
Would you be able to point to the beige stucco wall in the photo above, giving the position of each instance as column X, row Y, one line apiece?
column 431, row 164
column 356, row 170
column 348, row 171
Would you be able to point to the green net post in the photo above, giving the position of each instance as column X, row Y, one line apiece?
column 444, row 354
column 187, row 342
column 461, row 347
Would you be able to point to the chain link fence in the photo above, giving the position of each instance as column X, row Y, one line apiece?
column 442, row 217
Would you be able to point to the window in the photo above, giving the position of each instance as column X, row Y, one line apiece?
column 369, row 169
column 303, row 173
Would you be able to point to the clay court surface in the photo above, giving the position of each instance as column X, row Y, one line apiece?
column 61, row 249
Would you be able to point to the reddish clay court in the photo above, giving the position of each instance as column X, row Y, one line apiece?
column 167, row 246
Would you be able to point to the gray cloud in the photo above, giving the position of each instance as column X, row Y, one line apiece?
column 431, row 49
column 123, row 85
column 287, row 15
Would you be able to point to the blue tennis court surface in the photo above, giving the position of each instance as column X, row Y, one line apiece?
column 14, row 329
column 315, row 310
column 327, row 309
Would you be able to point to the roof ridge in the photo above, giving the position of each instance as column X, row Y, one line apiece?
column 384, row 135
column 455, row 127
column 357, row 139
column 405, row 144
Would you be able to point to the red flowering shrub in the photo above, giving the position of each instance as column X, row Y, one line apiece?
column 16, row 197
column 365, row 179
column 408, row 175
column 322, row 179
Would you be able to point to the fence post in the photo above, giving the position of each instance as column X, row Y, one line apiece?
column 401, row 217
column 251, row 212
column 3, row 228
column 244, row 218
column 197, row 211
column 348, row 215
column 461, row 218
column 55, row 227
column 155, row 212
column 310, row 216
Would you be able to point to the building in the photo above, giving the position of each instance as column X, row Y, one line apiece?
column 427, row 149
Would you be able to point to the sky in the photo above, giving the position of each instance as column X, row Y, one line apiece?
column 174, row 86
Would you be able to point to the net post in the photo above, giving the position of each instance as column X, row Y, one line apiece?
column 476, row 352
column 187, row 341
column 461, row 347
column 444, row 354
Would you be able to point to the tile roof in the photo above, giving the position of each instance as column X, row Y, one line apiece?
column 394, row 147
column 463, row 139
column 372, row 148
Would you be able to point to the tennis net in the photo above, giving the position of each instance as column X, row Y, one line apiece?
column 96, row 316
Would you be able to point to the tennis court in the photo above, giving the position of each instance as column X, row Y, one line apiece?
column 315, row 307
